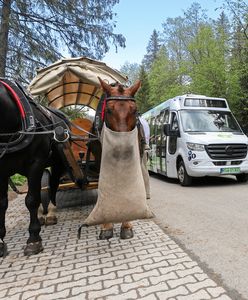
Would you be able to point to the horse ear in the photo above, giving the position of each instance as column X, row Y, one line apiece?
column 134, row 88
column 106, row 87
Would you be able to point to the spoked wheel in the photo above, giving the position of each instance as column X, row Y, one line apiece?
column 242, row 177
column 46, row 193
column 183, row 177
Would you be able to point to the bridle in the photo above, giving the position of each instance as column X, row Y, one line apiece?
column 138, row 123
column 115, row 98
column 120, row 98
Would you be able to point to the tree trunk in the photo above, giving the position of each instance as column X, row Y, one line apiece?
column 4, row 32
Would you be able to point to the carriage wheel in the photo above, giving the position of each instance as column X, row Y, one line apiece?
column 45, row 194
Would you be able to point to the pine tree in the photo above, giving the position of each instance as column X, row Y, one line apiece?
column 143, row 95
column 36, row 33
column 131, row 70
column 152, row 50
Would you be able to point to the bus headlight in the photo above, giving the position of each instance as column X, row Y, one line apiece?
column 195, row 147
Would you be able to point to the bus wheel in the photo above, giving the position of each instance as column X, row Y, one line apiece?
column 183, row 177
column 242, row 177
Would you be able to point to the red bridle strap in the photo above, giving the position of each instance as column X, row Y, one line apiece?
column 16, row 98
column 103, row 109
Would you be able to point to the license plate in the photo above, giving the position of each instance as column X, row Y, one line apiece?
column 229, row 170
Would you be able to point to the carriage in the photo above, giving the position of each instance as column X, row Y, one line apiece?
column 74, row 83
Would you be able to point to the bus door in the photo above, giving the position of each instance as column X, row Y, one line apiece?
column 161, row 139
column 152, row 165
column 172, row 143
column 164, row 120
column 161, row 142
column 158, row 141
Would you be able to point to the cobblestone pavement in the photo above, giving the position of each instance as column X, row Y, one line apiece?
column 150, row 266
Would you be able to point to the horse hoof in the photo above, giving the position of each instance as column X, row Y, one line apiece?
column 106, row 234
column 42, row 221
column 33, row 248
column 126, row 233
column 51, row 221
column 3, row 249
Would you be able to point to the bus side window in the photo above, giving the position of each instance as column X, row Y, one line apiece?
column 166, row 117
column 173, row 138
column 174, row 122
column 152, row 128
column 159, row 123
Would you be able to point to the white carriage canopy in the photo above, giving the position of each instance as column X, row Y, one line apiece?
column 73, row 81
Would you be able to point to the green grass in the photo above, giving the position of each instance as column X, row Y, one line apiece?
column 18, row 179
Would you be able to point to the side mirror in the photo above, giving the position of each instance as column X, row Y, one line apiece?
column 166, row 129
column 169, row 132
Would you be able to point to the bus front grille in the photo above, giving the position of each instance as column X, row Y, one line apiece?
column 226, row 151
column 227, row 163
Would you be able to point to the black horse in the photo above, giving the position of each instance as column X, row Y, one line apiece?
column 24, row 149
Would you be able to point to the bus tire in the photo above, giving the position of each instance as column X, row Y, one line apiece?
column 242, row 177
column 183, row 177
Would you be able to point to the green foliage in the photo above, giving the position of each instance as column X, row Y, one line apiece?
column 208, row 66
column 152, row 50
column 164, row 78
column 143, row 95
column 75, row 111
column 37, row 33
column 203, row 56
column 18, row 179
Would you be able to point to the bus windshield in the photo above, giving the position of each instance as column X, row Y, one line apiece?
column 208, row 121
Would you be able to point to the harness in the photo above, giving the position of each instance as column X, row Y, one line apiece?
column 19, row 140
column 30, row 125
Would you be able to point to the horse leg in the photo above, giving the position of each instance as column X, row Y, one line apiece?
column 33, row 200
column 3, row 208
column 126, row 230
column 96, row 149
column 106, row 231
column 41, row 215
column 51, row 218
column 56, row 172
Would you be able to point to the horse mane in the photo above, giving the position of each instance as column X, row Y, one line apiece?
column 120, row 88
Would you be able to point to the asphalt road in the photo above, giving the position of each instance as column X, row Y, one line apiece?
column 210, row 220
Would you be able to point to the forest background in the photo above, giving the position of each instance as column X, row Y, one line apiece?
column 192, row 54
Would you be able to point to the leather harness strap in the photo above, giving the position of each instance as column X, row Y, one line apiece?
column 120, row 98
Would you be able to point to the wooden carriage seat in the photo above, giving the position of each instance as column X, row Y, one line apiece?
column 81, row 146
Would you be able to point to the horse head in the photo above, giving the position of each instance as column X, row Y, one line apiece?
column 121, row 109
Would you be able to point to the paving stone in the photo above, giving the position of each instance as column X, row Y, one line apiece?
column 170, row 293
column 150, row 266
column 201, row 294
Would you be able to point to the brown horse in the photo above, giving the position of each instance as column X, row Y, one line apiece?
column 120, row 115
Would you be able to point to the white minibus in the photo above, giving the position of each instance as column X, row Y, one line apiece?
column 196, row 136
